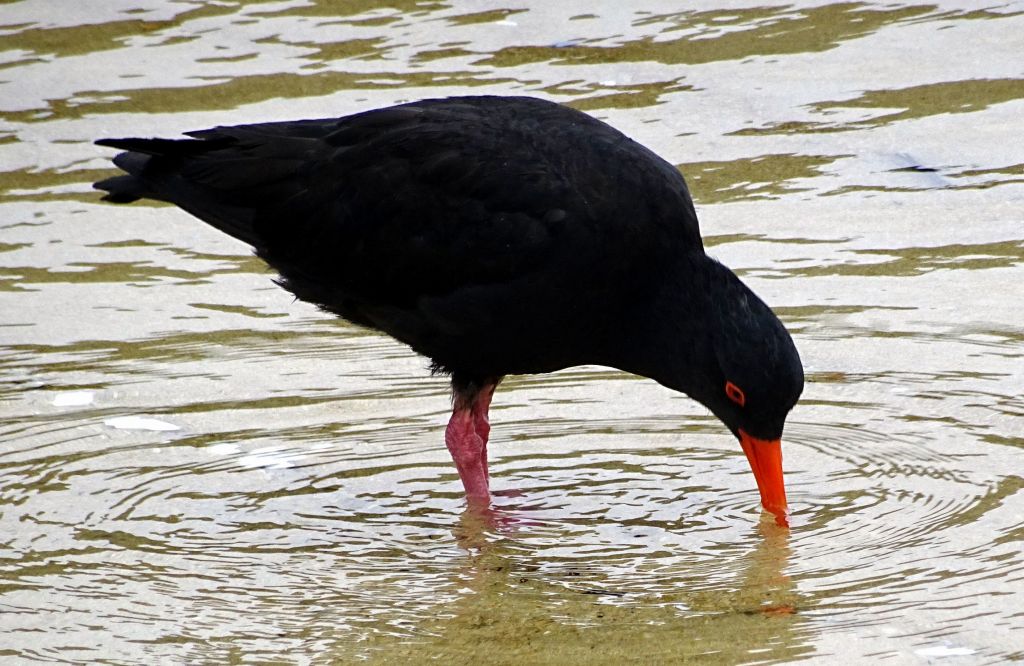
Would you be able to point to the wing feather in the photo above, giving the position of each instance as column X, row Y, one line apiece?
column 401, row 212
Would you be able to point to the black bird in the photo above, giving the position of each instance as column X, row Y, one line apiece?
column 495, row 236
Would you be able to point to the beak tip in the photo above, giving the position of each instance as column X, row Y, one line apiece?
column 765, row 457
column 781, row 515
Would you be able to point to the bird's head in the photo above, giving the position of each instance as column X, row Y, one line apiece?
column 751, row 380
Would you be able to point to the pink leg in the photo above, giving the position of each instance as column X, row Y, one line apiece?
column 466, row 437
column 481, row 423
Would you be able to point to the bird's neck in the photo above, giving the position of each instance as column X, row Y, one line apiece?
column 670, row 334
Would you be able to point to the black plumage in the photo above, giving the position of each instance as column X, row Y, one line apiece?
column 493, row 235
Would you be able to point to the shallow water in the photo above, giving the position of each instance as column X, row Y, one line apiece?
column 195, row 469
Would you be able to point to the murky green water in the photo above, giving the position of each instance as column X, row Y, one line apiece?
column 194, row 469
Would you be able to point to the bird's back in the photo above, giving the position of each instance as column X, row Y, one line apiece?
column 450, row 224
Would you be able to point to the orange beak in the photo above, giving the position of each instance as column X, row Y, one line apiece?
column 765, row 457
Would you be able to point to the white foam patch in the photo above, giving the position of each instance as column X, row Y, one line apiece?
column 140, row 423
column 270, row 457
column 943, row 651
column 223, row 449
column 73, row 398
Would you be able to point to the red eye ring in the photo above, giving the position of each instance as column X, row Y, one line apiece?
column 735, row 393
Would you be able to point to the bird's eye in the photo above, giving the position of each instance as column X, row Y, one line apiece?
column 735, row 393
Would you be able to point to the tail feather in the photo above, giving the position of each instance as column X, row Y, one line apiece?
column 131, row 187
column 133, row 163
column 123, row 189
column 164, row 170
column 162, row 147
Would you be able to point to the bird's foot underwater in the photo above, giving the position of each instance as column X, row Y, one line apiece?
column 478, row 522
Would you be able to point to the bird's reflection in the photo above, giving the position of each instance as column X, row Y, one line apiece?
column 528, row 606
column 481, row 527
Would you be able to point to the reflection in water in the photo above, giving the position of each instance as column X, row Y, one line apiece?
column 304, row 507
column 916, row 102
column 540, row 610
column 725, row 35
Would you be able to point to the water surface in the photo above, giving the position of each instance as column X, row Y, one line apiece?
column 196, row 469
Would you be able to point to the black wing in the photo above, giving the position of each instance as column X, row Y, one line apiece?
column 391, row 211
